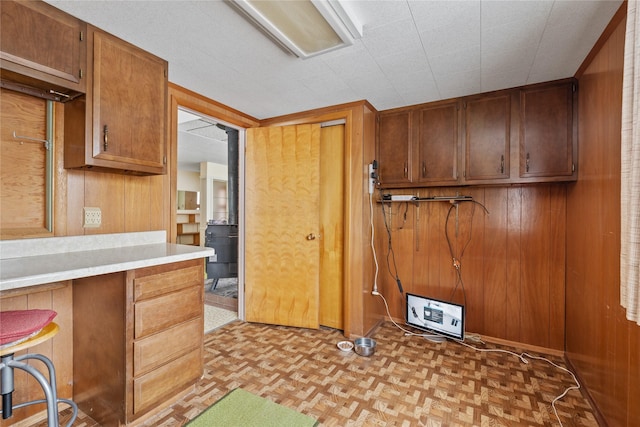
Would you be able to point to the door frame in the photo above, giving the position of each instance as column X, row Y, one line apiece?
column 181, row 97
column 351, row 291
column 362, row 311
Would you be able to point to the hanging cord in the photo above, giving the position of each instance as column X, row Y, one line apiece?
column 522, row 356
column 390, row 253
column 457, row 261
column 457, row 264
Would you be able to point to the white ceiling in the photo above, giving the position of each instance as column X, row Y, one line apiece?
column 411, row 51
column 199, row 140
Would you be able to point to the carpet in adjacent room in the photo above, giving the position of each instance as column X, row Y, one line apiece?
column 215, row 317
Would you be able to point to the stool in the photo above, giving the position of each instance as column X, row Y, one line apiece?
column 19, row 330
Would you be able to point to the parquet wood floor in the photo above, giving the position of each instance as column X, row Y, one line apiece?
column 408, row 382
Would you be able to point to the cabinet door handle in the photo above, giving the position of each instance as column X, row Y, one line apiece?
column 424, row 169
column 406, row 170
column 311, row 236
column 502, row 164
column 527, row 163
column 105, row 143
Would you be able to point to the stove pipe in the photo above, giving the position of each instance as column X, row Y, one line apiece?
column 232, row 169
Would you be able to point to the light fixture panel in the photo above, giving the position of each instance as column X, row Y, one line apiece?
column 304, row 28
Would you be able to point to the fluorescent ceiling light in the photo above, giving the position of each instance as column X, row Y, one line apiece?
column 303, row 27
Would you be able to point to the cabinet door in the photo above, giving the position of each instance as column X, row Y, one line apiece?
column 437, row 148
column 42, row 42
column 129, row 105
column 394, row 148
column 547, row 140
column 487, row 137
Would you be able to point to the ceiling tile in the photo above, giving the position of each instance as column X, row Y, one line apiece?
column 393, row 37
column 412, row 51
column 455, row 62
column 404, row 62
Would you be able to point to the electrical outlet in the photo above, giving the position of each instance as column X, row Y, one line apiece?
column 92, row 217
column 372, row 179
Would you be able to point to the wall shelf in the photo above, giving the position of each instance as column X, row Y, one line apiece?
column 188, row 227
column 416, row 199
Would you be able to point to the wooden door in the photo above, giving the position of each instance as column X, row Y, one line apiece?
column 282, row 225
column 332, row 226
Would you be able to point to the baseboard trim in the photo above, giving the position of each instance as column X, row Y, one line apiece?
column 586, row 394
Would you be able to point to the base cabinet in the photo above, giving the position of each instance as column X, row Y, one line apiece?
column 138, row 340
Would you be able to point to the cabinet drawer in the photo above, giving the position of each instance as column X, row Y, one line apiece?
column 159, row 313
column 168, row 380
column 167, row 281
column 153, row 351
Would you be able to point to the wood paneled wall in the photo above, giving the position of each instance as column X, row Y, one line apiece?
column 23, row 164
column 128, row 203
column 511, row 258
column 602, row 346
column 57, row 297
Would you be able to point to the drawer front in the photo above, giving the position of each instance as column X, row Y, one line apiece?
column 168, row 380
column 168, row 281
column 154, row 350
column 165, row 311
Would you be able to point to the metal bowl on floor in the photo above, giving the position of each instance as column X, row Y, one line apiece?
column 365, row 346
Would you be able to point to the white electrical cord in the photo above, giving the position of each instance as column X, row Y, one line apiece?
column 521, row 356
column 373, row 248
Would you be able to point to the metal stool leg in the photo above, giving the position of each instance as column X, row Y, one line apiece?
column 6, row 373
column 49, row 387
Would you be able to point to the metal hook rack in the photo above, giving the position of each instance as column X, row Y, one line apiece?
column 47, row 144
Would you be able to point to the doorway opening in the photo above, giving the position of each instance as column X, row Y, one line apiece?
column 208, row 193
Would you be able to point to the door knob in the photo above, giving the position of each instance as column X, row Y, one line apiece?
column 311, row 236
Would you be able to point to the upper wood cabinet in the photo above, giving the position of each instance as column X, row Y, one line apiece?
column 437, row 133
column 419, row 147
column 394, row 148
column 41, row 44
column 548, row 141
column 120, row 125
column 487, row 123
column 511, row 136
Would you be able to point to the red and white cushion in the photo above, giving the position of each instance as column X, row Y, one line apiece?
column 19, row 325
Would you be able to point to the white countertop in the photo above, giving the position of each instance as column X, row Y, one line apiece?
column 31, row 262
